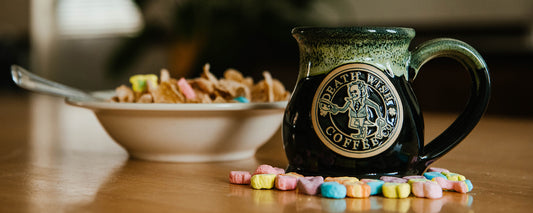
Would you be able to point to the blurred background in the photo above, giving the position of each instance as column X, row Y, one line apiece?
column 98, row 44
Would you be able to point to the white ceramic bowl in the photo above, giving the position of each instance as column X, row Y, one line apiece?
column 187, row 132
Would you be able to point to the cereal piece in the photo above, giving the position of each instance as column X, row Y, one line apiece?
column 279, row 91
column 186, row 89
column 286, row 182
column 391, row 179
column 414, row 177
column 453, row 176
column 165, row 93
column 396, row 190
column 164, row 76
column 375, row 185
column 124, row 94
column 263, row 181
column 234, row 75
column 341, row 180
column 146, row 98
column 333, row 190
column 268, row 169
column 357, row 189
column 240, row 177
column 139, row 82
column 231, row 89
column 269, row 86
column 309, row 185
column 436, row 169
column 431, row 175
column 426, row 188
column 203, row 85
column 208, row 75
column 458, row 186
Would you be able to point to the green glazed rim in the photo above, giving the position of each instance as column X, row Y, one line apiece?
column 353, row 32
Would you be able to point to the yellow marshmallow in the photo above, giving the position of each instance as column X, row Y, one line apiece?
column 263, row 181
column 139, row 82
column 396, row 190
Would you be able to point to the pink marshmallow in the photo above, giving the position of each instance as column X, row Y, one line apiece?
column 458, row 186
column 268, row 169
column 186, row 89
column 240, row 177
column 428, row 189
column 286, row 182
column 436, row 169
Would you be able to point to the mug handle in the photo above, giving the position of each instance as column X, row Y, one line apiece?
column 479, row 97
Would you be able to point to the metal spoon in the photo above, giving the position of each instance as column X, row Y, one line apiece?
column 27, row 80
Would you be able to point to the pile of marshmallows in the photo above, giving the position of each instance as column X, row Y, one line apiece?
column 430, row 185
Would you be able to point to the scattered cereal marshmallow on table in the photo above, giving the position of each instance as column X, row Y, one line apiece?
column 357, row 189
column 431, row 175
column 309, row 185
column 453, row 176
column 333, row 190
column 396, row 190
column 391, row 179
column 375, row 185
column 268, row 169
column 458, row 186
column 414, row 177
column 240, row 177
column 426, row 188
column 263, row 181
column 294, row 174
column 436, row 169
column 286, row 182
column 341, row 180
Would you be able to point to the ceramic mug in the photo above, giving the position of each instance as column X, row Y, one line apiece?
column 353, row 111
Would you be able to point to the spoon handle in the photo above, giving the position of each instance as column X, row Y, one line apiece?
column 27, row 80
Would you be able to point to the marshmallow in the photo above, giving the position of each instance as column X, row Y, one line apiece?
column 263, row 181
column 396, row 190
column 357, row 189
column 341, row 180
column 268, row 169
column 425, row 188
column 286, row 182
column 391, row 179
column 309, row 185
column 458, row 186
column 375, row 185
column 240, row 177
column 333, row 190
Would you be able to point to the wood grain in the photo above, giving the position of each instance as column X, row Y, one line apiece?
column 55, row 158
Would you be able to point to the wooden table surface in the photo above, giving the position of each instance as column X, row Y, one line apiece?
column 56, row 158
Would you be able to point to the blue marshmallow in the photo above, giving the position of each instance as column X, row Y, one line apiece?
column 375, row 185
column 333, row 190
column 431, row 175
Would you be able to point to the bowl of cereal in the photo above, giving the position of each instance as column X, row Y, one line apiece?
column 189, row 120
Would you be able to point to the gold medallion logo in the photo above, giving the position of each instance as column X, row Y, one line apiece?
column 356, row 111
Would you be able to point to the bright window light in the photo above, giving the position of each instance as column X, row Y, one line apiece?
column 97, row 18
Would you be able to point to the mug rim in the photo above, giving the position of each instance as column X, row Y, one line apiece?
column 351, row 31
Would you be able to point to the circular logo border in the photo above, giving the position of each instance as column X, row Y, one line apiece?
column 315, row 111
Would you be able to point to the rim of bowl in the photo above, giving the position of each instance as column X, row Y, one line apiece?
column 104, row 105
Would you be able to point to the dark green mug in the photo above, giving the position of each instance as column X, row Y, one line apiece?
column 353, row 111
